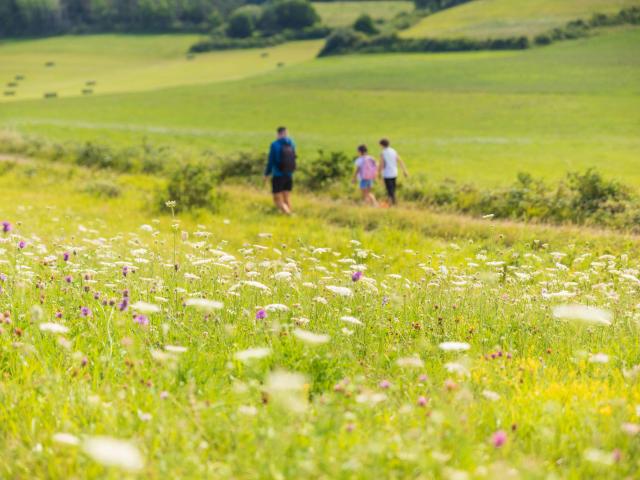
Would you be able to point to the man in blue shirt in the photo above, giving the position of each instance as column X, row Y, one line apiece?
column 280, row 167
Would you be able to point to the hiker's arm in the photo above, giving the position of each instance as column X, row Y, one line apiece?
column 404, row 169
column 381, row 166
column 355, row 175
column 270, row 162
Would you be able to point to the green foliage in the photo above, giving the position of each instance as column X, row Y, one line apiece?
column 581, row 198
column 294, row 14
column 241, row 24
column 325, row 169
column 580, row 28
column 103, row 188
column 364, row 23
column 243, row 166
column 348, row 41
column 436, row 5
column 191, row 186
column 95, row 155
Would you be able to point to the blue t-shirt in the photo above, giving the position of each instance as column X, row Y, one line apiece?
column 274, row 157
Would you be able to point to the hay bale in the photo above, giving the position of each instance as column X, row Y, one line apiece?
column 87, row 91
column 264, row 54
column 50, row 95
column 190, row 56
column 280, row 64
column 9, row 93
column 19, row 78
column 90, row 83
column 49, row 64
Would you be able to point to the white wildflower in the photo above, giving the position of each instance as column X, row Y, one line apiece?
column 342, row 291
column 53, row 327
column 145, row 307
column 454, row 346
column 112, row 452
column 410, row 362
column 65, row 438
column 350, row 319
column 310, row 337
column 583, row 313
column 252, row 354
column 175, row 348
column 204, row 304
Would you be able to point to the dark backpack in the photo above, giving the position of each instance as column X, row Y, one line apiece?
column 287, row 163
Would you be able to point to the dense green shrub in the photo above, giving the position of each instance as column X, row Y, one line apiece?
column 243, row 165
column 349, row 41
column 103, row 188
column 191, row 186
column 241, row 25
column 94, row 155
column 292, row 14
column 364, row 23
column 325, row 169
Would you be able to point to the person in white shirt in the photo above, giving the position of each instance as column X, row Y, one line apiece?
column 388, row 170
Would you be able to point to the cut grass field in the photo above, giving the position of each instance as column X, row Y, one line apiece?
column 130, row 63
column 342, row 14
column 478, row 117
column 506, row 18
column 327, row 385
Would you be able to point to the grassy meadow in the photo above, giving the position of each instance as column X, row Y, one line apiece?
column 342, row 343
column 345, row 341
column 342, row 14
column 478, row 117
column 506, row 18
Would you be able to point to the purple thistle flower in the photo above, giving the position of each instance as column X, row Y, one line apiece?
column 68, row 279
column 125, row 293
column 385, row 300
column 58, row 314
column 499, row 438
column 65, row 256
column 3, row 277
column 141, row 319
column 125, row 270
column 124, row 304
column 22, row 244
column 6, row 227
column 385, row 384
column 85, row 312
column 422, row 401
column 355, row 276
column 261, row 314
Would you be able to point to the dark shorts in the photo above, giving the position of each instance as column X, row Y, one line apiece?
column 281, row 184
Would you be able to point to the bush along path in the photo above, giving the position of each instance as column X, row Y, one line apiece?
column 580, row 198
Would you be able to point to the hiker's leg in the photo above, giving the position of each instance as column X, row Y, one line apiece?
column 286, row 198
column 390, row 183
column 372, row 199
column 278, row 200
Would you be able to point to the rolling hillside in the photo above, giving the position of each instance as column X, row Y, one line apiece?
column 481, row 117
column 504, row 18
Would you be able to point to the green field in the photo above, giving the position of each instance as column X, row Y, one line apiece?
column 505, row 18
column 341, row 14
column 370, row 388
column 130, row 63
column 478, row 117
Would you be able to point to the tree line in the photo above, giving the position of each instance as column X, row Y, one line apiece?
column 21, row 18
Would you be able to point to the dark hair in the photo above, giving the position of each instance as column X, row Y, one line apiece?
column 362, row 149
column 281, row 130
column 384, row 142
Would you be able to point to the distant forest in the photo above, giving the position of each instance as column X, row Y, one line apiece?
column 33, row 18
column 20, row 18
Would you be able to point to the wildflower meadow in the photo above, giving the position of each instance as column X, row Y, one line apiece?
column 216, row 350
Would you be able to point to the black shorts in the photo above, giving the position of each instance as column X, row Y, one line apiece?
column 281, row 184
